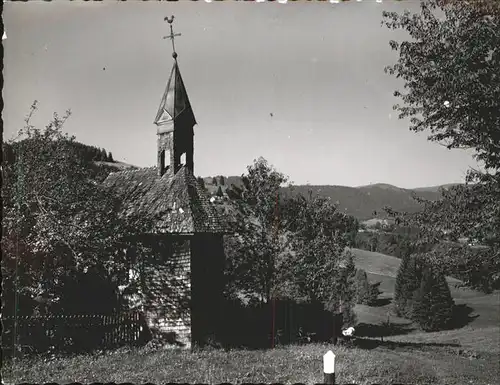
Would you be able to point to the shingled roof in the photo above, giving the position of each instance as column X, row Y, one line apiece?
column 177, row 202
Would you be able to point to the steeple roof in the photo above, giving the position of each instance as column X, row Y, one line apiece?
column 175, row 103
column 175, row 200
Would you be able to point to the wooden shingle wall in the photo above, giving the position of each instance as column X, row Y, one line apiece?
column 168, row 295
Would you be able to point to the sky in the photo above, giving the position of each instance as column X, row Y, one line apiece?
column 301, row 84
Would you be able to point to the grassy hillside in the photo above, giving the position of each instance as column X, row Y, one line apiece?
column 476, row 310
column 376, row 263
column 469, row 353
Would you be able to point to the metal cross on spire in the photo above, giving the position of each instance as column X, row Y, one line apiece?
column 172, row 34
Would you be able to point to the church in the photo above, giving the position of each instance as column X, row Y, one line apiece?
column 184, row 276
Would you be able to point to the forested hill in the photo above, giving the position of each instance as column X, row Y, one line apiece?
column 87, row 152
column 92, row 153
column 367, row 202
column 98, row 159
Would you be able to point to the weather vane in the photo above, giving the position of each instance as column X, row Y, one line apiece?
column 172, row 34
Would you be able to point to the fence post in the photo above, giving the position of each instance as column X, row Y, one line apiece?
column 329, row 368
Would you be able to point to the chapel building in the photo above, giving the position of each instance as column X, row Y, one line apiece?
column 184, row 276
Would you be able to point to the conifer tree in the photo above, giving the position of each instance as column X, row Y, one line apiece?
column 366, row 293
column 407, row 283
column 96, row 153
column 374, row 293
column 413, row 279
column 214, row 181
column 443, row 305
column 362, row 287
column 110, row 157
column 433, row 307
column 423, row 299
column 400, row 293
column 219, row 192
column 201, row 181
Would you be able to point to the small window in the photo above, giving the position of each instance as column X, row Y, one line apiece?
column 167, row 158
column 162, row 160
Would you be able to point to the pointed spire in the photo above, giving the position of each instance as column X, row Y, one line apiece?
column 175, row 102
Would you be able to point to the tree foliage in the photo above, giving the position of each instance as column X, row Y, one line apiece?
column 319, row 265
column 289, row 247
column 58, row 220
column 451, row 73
column 253, row 254
column 393, row 242
column 342, row 298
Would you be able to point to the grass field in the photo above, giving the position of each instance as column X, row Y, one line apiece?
column 410, row 362
column 466, row 355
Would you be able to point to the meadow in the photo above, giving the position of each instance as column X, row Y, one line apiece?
column 467, row 354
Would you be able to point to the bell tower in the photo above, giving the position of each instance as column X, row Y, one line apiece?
column 174, row 121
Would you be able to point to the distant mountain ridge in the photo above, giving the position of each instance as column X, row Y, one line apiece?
column 363, row 202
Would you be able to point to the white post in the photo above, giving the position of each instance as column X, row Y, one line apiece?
column 329, row 368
